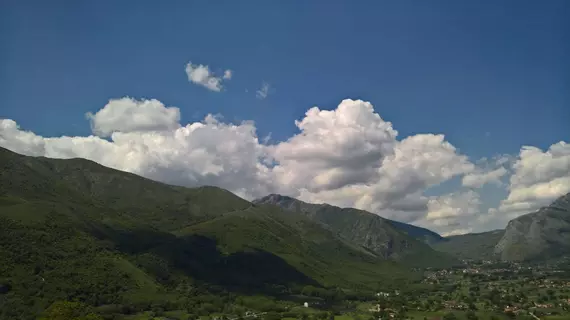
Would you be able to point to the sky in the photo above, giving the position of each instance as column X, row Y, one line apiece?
column 451, row 115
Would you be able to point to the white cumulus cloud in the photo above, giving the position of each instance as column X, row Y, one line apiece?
column 453, row 213
column 349, row 156
column 539, row 178
column 128, row 115
column 480, row 178
column 202, row 75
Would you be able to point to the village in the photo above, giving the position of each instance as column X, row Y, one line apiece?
column 483, row 290
column 480, row 290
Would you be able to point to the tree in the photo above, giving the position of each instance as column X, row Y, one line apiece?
column 471, row 315
column 450, row 316
column 272, row 315
column 68, row 310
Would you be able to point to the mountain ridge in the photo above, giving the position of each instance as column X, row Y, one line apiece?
column 542, row 234
column 76, row 230
column 472, row 246
column 382, row 236
column 420, row 233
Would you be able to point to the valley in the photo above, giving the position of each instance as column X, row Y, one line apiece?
column 284, row 160
column 82, row 241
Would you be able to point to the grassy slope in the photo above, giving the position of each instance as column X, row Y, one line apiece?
column 72, row 229
column 368, row 230
column 301, row 243
column 422, row 234
column 474, row 246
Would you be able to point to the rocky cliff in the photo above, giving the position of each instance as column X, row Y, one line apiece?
column 538, row 235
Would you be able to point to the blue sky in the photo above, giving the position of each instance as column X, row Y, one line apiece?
column 490, row 75
column 455, row 67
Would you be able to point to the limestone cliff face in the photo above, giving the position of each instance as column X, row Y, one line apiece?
column 541, row 234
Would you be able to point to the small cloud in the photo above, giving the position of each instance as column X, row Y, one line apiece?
column 487, row 134
column 267, row 138
column 263, row 92
column 202, row 75
column 479, row 178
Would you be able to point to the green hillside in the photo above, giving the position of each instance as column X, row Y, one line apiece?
column 418, row 233
column 473, row 246
column 368, row 230
column 72, row 230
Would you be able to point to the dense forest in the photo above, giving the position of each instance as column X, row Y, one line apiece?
column 94, row 241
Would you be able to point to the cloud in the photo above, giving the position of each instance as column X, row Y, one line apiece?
column 201, row 153
column 334, row 148
column 263, row 92
column 130, row 115
column 453, row 213
column 349, row 156
column 539, row 178
column 480, row 178
column 201, row 75
column 24, row 142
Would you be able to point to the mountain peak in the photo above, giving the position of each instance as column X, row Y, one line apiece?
column 387, row 238
column 562, row 203
column 274, row 198
column 540, row 234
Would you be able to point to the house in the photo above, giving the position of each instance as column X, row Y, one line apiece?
column 376, row 308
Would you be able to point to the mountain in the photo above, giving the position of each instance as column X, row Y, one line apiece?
column 473, row 246
column 386, row 238
column 418, row 233
column 73, row 230
column 539, row 235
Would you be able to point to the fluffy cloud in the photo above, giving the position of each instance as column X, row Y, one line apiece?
column 394, row 185
column 334, row 148
column 480, row 178
column 348, row 156
column 24, row 142
column 453, row 213
column 201, row 75
column 420, row 161
column 130, row 115
column 201, row 153
column 539, row 178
